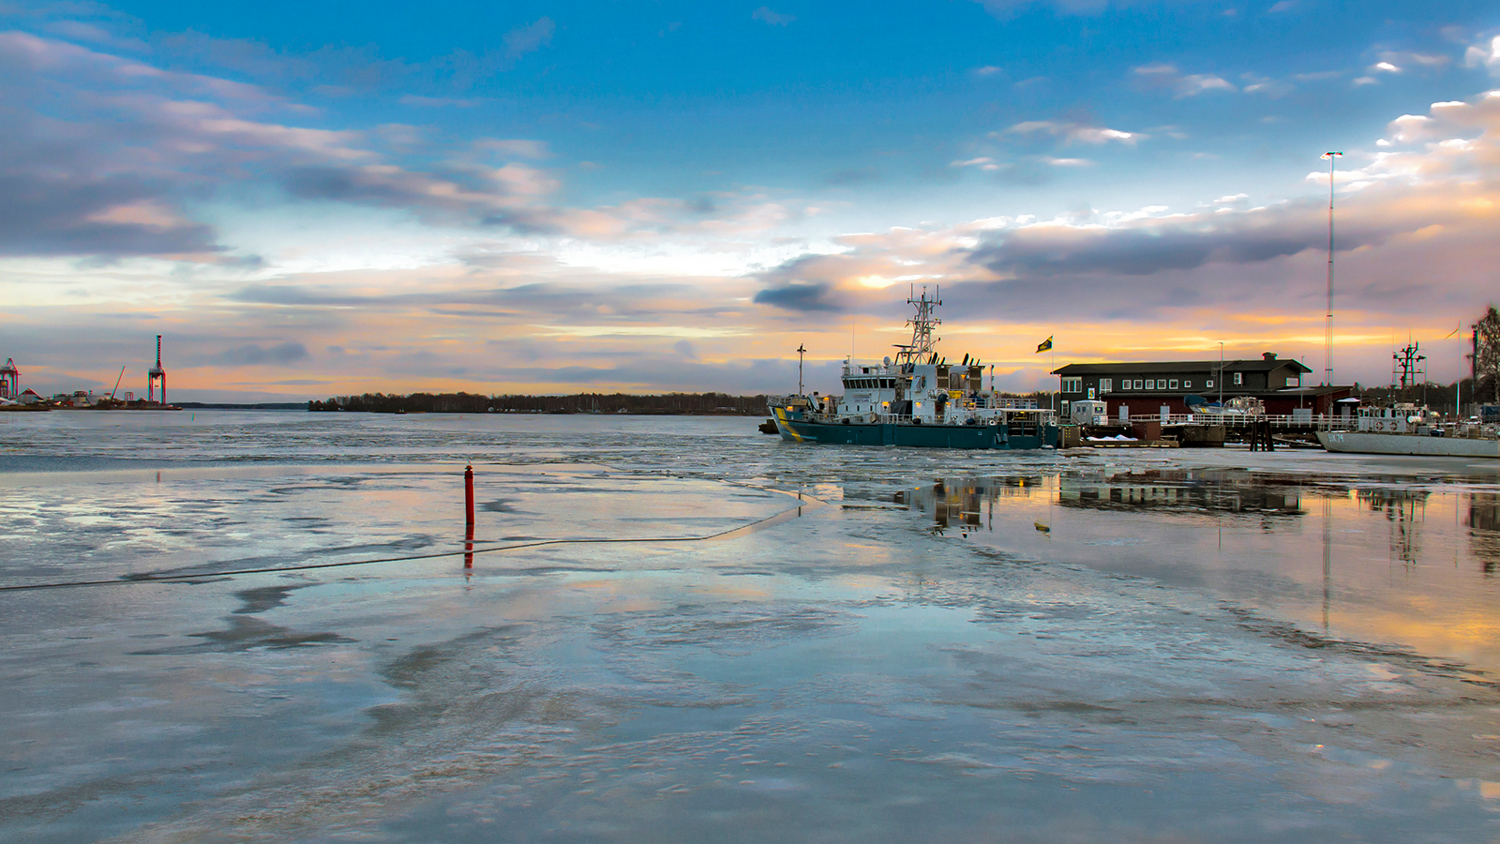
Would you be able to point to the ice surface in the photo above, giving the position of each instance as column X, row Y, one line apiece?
column 929, row 645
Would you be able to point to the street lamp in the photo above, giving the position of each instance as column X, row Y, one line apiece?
column 1221, row 376
column 1328, row 325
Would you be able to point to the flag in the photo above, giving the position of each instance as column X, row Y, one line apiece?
column 1044, row 345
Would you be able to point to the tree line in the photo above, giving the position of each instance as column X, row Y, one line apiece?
column 680, row 404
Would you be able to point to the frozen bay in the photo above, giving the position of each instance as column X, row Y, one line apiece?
column 680, row 629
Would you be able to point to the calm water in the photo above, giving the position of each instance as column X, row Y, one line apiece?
column 680, row 629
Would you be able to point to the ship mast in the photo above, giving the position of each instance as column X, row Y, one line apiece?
column 923, row 343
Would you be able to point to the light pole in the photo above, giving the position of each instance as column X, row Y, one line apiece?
column 801, row 350
column 1220, row 379
column 1328, row 325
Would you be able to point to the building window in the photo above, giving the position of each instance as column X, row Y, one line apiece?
column 1174, row 384
column 1187, row 385
column 1239, row 379
column 1294, row 382
column 1138, row 383
column 1105, row 385
column 1209, row 383
column 1072, row 385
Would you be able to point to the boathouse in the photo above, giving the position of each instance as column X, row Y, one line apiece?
column 1144, row 387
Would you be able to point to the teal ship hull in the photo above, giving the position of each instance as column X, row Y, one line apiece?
column 795, row 427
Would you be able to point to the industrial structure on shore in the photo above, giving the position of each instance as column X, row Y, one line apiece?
column 12, row 397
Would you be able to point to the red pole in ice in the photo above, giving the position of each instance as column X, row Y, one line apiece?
column 469, row 494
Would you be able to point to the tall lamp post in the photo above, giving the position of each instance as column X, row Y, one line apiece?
column 1328, row 324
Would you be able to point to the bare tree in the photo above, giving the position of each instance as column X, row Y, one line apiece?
column 1487, row 352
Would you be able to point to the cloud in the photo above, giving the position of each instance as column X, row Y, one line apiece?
column 797, row 297
column 1072, row 132
column 1183, row 85
column 771, row 18
column 983, row 162
column 1256, row 84
column 438, row 102
column 280, row 354
column 528, row 39
column 853, row 176
column 1145, row 248
column 1007, row 9
column 107, row 154
column 1484, row 55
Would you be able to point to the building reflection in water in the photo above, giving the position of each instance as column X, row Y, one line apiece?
column 1188, row 490
column 1484, row 530
column 968, row 503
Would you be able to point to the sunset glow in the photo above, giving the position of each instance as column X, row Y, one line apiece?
column 572, row 197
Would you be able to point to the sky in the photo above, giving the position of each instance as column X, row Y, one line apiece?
column 309, row 200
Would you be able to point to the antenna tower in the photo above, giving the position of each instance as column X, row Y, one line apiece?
column 1408, row 366
column 922, row 323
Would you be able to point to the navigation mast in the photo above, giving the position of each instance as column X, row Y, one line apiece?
column 923, row 323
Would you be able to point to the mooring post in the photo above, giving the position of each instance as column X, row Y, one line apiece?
column 469, row 546
column 469, row 496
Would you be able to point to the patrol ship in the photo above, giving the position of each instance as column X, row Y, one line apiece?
column 918, row 399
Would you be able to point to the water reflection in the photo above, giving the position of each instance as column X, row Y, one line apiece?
column 1405, row 509
column 1484, row 529
column 966, row 501
column 1186, row 490
column 1369, row 560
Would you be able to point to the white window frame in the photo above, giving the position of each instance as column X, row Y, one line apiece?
column 1209, row 384
column 1239, row 379
column 1106, row 385
column 1173, row 384
column 1072, row 385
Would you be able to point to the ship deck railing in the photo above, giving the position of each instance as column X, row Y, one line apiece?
column 1297, row 421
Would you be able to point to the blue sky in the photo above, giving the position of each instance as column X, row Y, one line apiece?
column 647, row 196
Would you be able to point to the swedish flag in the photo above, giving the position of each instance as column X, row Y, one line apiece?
column 1043, row 346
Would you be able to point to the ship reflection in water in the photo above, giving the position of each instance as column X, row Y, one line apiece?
column 1374, row 560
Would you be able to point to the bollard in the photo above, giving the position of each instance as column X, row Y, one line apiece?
column 469, row 494
column 469, row 546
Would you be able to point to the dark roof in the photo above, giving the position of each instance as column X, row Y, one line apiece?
column 1251, row 365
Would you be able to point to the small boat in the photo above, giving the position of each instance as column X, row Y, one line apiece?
column 919, row 400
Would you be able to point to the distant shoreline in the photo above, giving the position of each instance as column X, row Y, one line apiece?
column 670, row 404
